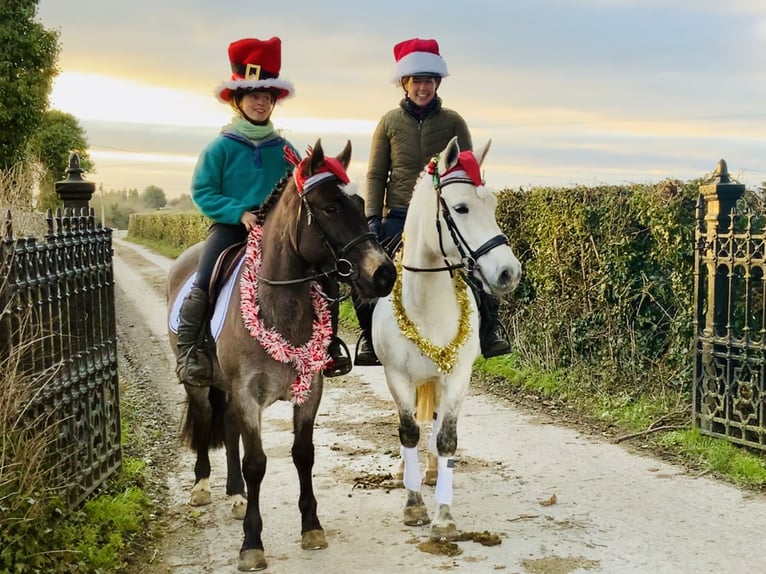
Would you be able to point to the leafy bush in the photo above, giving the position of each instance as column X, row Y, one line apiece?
column 608, row 282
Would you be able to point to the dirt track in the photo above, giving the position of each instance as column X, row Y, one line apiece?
column 560, row 501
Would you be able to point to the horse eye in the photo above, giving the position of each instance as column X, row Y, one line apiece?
column 461, row 209
column 331, row 208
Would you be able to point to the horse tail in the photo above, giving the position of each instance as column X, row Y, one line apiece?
column 203, row 419
column 425, row 401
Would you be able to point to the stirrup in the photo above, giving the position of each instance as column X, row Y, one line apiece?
column 338, row 364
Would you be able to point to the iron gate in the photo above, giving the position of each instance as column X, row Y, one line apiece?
column 62, row 286
column 730, row 315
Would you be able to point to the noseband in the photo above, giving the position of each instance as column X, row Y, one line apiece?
column 468, row 256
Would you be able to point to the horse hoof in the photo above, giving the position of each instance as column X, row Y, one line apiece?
column 313, row 540
column 238, row 506
column 251, row 560
column 430, row 479
column 443, row 532
column 200, row 494
column 443, row 527
column 416, row 515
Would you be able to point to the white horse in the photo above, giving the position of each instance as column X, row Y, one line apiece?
column 427, row 329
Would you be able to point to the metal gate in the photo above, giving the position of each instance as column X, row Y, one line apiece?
column 730, row 315
column 57, row 316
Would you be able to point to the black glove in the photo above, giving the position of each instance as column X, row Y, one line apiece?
column 374, row 222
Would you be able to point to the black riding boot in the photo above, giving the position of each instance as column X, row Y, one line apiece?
column 493, row 336
column 193, row 366
column 340, row 358
column 365, row 353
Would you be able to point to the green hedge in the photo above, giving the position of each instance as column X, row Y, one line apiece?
column 173, row 229
column 608, row 281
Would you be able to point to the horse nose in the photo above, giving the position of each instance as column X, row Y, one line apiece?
column 509, row 278
column 383, row 279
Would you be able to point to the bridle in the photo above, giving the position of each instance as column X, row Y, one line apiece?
column 468, row 256
column 343, row 269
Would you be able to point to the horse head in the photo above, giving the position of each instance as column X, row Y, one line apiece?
column 332, row 231
column 467, row 233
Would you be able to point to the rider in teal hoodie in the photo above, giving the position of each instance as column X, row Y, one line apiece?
column 234, row 174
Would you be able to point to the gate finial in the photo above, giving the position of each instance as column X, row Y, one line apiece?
column 721, row 173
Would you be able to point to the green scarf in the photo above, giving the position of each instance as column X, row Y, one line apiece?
column 248, row 130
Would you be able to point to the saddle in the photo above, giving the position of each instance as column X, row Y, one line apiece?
column 224, row 267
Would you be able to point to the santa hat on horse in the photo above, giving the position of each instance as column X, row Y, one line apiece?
column 418, row 57
column 255, row 64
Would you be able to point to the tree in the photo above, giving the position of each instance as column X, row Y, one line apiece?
column 153, row 197
column 59, row 135
column 28, row 65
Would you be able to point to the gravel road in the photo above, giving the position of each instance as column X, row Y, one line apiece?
column 560, row 501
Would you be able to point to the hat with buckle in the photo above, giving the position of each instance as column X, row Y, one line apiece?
column 255, row 64
column 418, row 57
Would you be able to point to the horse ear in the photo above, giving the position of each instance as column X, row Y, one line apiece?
column 344, row 157
column 449, row 156
column 317, row 157
column 481, row 153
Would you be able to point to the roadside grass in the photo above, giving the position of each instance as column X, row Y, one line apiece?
column 38, row 531
column 157, row 246
column 662, row 421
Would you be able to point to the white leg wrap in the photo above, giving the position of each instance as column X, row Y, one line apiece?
column 443, row 494
column 412, row 476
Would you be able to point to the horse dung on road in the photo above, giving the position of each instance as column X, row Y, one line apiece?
column 426, row 330
column 272, row 342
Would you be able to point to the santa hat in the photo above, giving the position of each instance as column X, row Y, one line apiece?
column 255, row 64
column 418, row 57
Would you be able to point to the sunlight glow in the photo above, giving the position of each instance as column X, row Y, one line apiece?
column 105, row 98
column 97, row 97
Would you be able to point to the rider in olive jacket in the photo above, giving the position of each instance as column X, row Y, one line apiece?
column 402, row 145
column 404, row 141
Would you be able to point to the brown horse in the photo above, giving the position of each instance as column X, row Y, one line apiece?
column 273, row 340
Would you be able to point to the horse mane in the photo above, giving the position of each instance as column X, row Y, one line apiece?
column 271, row 200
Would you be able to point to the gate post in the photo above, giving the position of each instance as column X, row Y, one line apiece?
column 721, row 197
column 74, row 191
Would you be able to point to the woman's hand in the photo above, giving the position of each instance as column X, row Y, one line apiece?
column 249, row 220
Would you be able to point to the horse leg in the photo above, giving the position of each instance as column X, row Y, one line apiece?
column 235, row 483
column 415, row 512
column 196, row 434
column 443, row 526
column 251, row 554
column 312, row 533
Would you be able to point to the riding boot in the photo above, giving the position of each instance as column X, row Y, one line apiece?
column 340, row 358
column 193, row 366
column 365, row 353
column 493, row 336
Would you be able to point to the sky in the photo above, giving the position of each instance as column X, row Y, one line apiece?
column 571, row 92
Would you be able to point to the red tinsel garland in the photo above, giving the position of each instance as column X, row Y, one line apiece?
column 307, row 359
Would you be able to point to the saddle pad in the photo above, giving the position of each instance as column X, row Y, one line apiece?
column 221, row 304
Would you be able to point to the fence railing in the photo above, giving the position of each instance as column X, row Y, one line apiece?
column 57, row 320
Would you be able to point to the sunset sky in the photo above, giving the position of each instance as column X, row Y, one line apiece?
column 570, row 91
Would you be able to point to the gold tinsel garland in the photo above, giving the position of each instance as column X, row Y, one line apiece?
column 443, row 357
